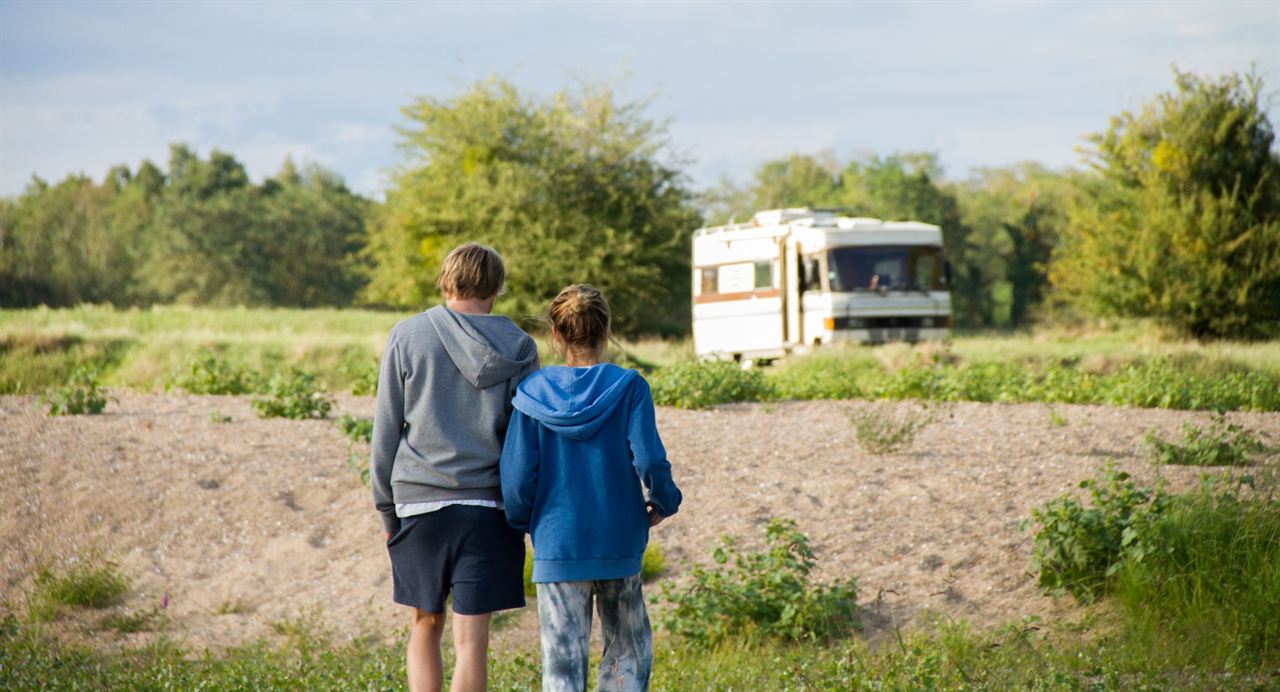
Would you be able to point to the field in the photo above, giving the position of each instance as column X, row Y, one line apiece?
column 254, row 539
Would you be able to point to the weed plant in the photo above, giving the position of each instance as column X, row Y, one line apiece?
column 209, row 374
column 88, row 582
column 696, row 385
column 1078, row 549
column 78, row 395
column 881, row 432
column 766, row 594
column 292, row 393
column 360, row 464
column 1222, row 444
column 359, row 429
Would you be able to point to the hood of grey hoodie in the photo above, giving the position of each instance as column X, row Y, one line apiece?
column 487, row 349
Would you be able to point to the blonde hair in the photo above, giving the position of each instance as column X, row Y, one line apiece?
column 579, row 314
column 472, row 270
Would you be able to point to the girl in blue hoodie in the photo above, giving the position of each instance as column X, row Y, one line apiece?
column 581, row 449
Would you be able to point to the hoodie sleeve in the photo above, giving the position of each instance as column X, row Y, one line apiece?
column 518, row 470
column 647, row 452
column 388, row 421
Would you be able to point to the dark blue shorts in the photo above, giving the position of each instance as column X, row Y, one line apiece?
column 471, row 552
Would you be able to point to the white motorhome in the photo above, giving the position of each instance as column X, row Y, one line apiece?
column 789, row 280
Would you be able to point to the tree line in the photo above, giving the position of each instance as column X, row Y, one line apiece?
column 1176, row 217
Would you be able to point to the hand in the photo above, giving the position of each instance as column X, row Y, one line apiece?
column 388, row 540
column 654, row 517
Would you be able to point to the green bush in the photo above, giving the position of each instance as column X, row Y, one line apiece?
column 78, row 395
column 209, row 374
column 765, row 593
column 358, row 429
column 833, row 374
column 1078, row 549
column 651, row 566
column 697, row 385
column 1223, row 444
column 653, row 563
column 879, row 432
column 292, row 393
column 90, row 582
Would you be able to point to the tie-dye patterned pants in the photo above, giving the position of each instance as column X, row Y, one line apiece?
column 564, row 611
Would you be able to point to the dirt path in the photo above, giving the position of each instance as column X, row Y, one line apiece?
column 250, row 523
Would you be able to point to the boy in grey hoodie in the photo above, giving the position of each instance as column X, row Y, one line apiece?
column 444, row 400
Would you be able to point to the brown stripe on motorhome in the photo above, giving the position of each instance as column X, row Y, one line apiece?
column 737, row 295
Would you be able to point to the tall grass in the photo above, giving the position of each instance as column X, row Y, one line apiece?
column 1208, row 592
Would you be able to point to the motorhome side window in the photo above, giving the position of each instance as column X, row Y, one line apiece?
column 710, row 278
column 764, row 274
column 810, row 270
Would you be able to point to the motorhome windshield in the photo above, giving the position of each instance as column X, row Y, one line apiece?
column 881, row 268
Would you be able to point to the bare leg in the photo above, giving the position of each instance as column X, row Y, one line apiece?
column 471, row 644
column 422, row 657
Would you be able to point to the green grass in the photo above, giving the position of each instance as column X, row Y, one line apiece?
column 1208, row 593
column 942, row 656
column 1132, row 364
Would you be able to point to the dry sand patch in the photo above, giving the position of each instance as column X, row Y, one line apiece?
column 251, row 522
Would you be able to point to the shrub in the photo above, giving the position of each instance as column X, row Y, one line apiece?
column 767, row 593
column 653, row 563
column 834, row 374
column 879, row 432
column 1223, row 444
column 1078, row 549
column 697, row 385
column 358, row 429
column 209, row 374
column 90, row 582
column 292, row 393
column 78, row 395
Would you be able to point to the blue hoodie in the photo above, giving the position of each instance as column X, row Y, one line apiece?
column 580, row 444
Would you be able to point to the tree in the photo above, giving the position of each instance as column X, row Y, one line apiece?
column 1015, row 215
column 575, row 187
column 1183, row 221
column 202, row 234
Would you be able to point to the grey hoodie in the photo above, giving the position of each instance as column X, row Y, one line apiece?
column 444, row 399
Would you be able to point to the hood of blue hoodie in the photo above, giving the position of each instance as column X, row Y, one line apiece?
column 573, row 402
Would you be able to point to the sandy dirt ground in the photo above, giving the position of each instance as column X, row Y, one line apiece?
column 247, row 523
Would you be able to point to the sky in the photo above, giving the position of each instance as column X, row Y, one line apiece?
column 86, row 86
